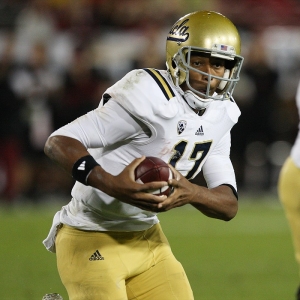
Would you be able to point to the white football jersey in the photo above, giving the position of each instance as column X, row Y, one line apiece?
column 295, row 153
column 147, row 115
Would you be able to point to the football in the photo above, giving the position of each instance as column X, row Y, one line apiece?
column 154, row 169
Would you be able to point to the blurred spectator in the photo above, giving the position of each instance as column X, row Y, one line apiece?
column 256, row 126
column 34, row 24
column 82, row 87
column 36, row 83
column 11, row 129
column 152, row 47
column 259, row 14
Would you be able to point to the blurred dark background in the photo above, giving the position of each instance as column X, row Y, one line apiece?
column 57, row 57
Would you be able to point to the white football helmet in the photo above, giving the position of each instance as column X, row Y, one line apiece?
column 211, row 33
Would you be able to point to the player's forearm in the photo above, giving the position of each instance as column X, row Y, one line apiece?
column 219, row 202
column 65, row 151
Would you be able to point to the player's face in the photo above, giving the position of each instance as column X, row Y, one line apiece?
column 205, row 63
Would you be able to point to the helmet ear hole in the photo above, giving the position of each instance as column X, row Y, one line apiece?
column 223, row 82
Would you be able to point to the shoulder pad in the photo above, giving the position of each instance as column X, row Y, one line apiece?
column 161, row 82
column 144, row 92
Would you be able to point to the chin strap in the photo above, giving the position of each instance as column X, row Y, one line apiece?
column 195, row 101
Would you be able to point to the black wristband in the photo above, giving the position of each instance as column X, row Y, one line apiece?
column 83, row 167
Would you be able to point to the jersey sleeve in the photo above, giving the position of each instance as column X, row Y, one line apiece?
column 218, row 169
column 103, row 126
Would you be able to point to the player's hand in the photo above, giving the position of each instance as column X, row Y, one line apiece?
column 219, row 202
column 183, row 192
column 124, row 187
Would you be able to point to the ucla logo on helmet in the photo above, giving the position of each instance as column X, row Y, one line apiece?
column 179, row 32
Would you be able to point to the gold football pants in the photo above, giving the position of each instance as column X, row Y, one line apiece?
column 289, row 194
column 119, row 266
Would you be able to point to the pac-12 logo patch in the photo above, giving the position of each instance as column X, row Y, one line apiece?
column 181, row 126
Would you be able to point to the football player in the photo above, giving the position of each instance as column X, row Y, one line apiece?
column 107, row 239
column 289, row 190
